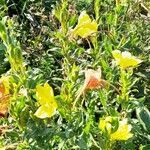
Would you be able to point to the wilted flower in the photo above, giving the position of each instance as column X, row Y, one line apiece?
column 85, row 26
column 4, row 95
column 125, row 59
column 92, row 81
column 2, row 89
column 122, row 133
column 4, row 103
column 45, row 97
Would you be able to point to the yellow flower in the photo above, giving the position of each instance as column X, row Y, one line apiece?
column 122, row 133
column 4, row 86
column 125, row 59
column 85, row 26
column 46, row 99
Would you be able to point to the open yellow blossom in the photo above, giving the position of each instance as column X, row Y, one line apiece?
column 85, row 26
column 125, row 59
column 46, row 99
column 122, row 133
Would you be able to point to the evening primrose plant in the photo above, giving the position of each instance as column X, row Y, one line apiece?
column 93, row 106
column 87, row 29
column 126, row 63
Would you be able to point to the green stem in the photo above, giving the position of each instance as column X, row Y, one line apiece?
column 124, row 88
column 108, row 145
column 97, row 9
column 124, row 85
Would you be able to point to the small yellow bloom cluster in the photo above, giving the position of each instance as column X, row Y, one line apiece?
column 122, row 133
column 85, row 27
column 125, row 59
column 46, row 99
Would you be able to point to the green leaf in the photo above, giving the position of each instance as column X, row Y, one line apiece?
column 3, row 31
column 145, row 147
column 143, row 115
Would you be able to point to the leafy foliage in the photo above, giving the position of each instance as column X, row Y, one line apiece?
column 48, row 46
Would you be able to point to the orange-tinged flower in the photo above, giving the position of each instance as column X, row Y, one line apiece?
column 4, row 95
column 2, row 89
column 4, row 86
column 92, row 81
column 4, row 103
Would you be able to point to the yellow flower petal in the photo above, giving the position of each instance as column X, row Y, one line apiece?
column 2, row 89
column 102, row 125
column 83, row 18
column 44, row 94
column 116, row 54
column 105, row 124
column 86, row 29
column 45, row 97
column 45, row 111
column 85, row 26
